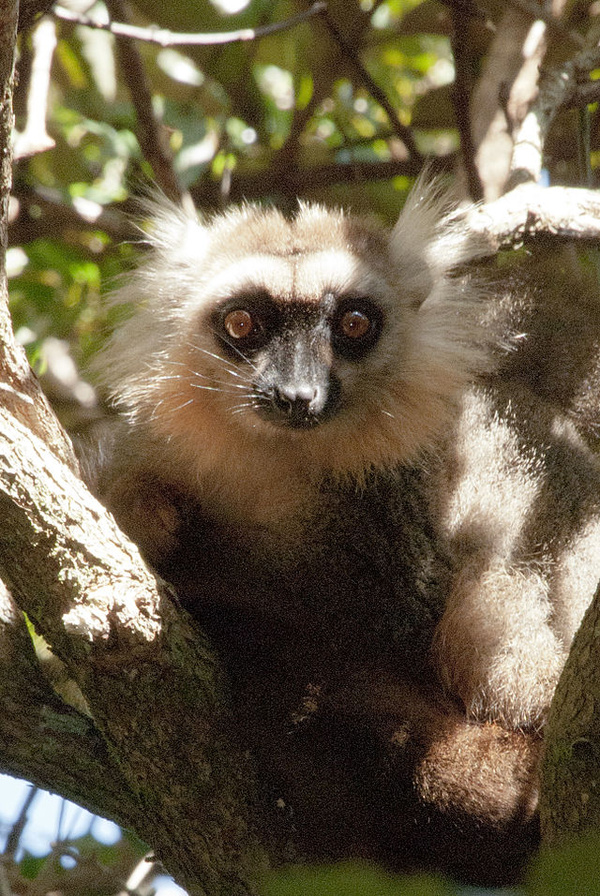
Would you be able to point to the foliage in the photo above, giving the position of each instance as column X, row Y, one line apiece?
column 85, row 865
column 291, row 112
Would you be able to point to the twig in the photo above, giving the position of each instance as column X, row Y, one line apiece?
column 351, row 56
column 150, row 132
column 166, row 38
column 34, row 138
column 18, row 827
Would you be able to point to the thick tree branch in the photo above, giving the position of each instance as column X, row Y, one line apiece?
column 74, row 759
column 150, row 680
column 20, row 390
column 531, row 211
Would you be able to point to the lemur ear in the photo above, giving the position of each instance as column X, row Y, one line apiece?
column 176, row 233
column 431, row 237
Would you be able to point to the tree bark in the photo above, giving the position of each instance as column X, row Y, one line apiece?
column 570, row 774
column 154, row 752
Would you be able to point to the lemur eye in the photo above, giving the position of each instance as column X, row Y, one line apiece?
column 354, row 324
column 239, row 324
column 356, row 327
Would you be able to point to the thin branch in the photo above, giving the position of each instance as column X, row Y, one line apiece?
column 352, row 57
column 150, row 131
column 555, row 27
column 35, row 138
column 18, row 826
column 461, row 96
column 165, row 38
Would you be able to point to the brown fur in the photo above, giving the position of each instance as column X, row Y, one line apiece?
column 399, row 584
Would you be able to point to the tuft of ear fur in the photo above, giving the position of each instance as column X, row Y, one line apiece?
column 431, row 247
column 431, row 236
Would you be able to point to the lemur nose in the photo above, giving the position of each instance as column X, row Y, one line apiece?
column 299, row 401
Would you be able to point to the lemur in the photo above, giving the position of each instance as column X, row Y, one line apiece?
column 369, row 474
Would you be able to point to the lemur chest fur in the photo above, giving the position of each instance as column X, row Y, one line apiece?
column 361, row 565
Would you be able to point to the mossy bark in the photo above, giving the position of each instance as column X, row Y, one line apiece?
column 570, row 778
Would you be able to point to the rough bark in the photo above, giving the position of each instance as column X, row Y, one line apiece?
column 154, row 752
column 151, row 683
column 44, row 739
column 570, row 795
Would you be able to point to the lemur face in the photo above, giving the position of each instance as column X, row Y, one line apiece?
column 321, row 333
column 290, row 357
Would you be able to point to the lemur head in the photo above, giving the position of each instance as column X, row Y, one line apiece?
column 322, row 334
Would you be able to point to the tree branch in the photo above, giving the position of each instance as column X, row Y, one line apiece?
column 20, row 389
column 150, row 680
column 566, row 86
column 530, row 211
column 461, row 96
column 539, row 11
column 505, row 80
column 74, row 759
column 150, row 131
column 165, row 38
column 570, row 795
column 353, row 59
column 34, row 137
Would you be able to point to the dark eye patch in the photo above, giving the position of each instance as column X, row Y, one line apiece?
column 244, row 323
column 356, row 326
